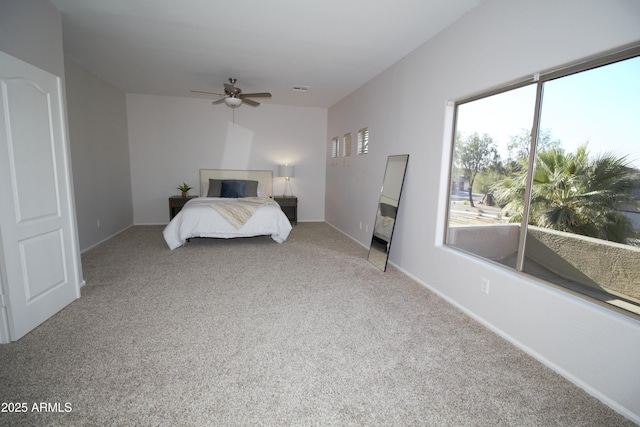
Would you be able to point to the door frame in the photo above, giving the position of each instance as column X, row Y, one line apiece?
column 5, row 336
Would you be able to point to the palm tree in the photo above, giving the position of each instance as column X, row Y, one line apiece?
column 573, row 194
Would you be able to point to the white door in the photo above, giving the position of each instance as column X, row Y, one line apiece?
column 38, row 243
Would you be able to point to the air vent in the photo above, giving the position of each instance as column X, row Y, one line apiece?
column 299, row 88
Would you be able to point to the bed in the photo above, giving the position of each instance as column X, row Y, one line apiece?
column 232, row 203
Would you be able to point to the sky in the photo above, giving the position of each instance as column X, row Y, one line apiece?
column 599, row 106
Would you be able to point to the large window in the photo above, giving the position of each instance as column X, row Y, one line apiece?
column 545, row 178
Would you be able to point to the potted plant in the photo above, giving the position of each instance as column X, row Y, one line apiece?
column 185, row 189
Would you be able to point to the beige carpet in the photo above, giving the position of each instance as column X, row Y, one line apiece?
column 249, row 332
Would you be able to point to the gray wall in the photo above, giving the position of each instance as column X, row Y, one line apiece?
column 98, row 136
column 96, row 112
column 498, row 42
column 32, row 31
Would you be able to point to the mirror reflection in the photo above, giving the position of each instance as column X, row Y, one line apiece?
column 387, row 210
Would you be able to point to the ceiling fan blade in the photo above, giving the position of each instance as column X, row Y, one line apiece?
column 219, row 101
column 256, row 95
column 206, row 93
column 250, row 102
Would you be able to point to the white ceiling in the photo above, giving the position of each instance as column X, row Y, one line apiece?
column 168, row 47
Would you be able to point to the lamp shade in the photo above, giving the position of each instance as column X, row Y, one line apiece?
column 233, row 102
column 287, row 171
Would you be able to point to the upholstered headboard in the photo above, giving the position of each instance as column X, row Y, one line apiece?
column 264, row 178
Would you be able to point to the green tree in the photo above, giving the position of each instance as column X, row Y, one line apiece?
column 473, row 155
column 574, row 194
column 519, row 145
column 485, row 180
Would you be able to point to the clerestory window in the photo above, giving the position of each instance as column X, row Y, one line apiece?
column 363, row 141
column 346, row 145
column 335, row 147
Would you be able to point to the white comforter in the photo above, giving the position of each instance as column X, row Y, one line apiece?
column 198, row 219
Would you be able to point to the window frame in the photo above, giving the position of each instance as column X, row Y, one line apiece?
column 363, row 141
column 538, row 79
column 346, row 145
column 335, row 147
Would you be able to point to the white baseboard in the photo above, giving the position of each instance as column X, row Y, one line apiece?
column 560, row 371
column 347, row 235
column 105, row 239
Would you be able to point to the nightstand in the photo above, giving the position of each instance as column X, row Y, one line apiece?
column 176, row 203
column 289, row 205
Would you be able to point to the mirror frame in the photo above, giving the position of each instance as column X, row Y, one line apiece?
column 379, row 248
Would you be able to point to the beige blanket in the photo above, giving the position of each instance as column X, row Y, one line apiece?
column 239, row 211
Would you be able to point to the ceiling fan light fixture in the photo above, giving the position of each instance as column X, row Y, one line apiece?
column 233, row 102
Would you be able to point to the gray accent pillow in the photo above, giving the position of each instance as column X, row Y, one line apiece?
column 215, row 188
column 387, row 210
column 250, row 188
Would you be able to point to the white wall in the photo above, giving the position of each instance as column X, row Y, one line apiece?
column 171, row 138
column 100, row 155
column 404, row 107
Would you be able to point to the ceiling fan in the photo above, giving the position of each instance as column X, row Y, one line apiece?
column 233, row 96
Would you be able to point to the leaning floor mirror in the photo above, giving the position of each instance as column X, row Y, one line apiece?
column 387, row 210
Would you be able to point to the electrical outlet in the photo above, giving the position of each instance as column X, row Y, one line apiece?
column 366, row 228
column 484, row 285
column 98, row 223
column 360, row 225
